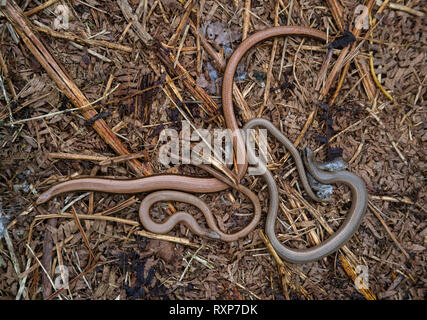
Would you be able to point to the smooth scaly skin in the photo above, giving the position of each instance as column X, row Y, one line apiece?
column 184, row 183
column 145, row 184
column 163, row 182
column 188, row 220
column 227, row 84
column 354, row 215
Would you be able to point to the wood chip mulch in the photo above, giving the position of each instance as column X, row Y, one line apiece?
column 132, row 69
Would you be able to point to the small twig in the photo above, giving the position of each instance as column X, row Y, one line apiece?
column 246, row 19
column 199, row 62
column 23, row 281
column 83, row 233
column 47, row 258
column 189, row 82
column 7, row 102
column 12, row 254
column 301, row 134
column 3, row 67
column 270, row 66
column 26, row 104
column 119, row 159
column 119, row 207
column 132, row 18
column 367, row 293
column 280, row 264
column 68, row 36
column 337, row 13
column 39, row 8
column 93, row 7
column 295, row 74
column 151, row 235
column 43, row 268
column 400, row 7
column 403, row 199
column 182, row 23
column 283, row 271
column 285, row 43
column 201, row 261
column 218, row 58
column 73, row 156
column 371, row 55
column 90, row 51
column 86, row 217
column 119, row 220
column 374, row 76
column 162, row 10
column 51, row 114
column 81, row 271
column 369, row 86
column 103, row 160
column 181, row 44
column 189, row 263
column 377, row 213
column 68, row 205
column 243, row 287
column 340, row 61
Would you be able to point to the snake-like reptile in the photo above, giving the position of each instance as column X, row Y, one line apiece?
column 170, row 187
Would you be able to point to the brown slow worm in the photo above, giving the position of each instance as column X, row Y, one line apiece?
column 354, row 215
column 188, row 220
column 158, row 183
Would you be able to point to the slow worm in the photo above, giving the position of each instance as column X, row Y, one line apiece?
column 172, row 187
column 163, row 182
column 354, row 215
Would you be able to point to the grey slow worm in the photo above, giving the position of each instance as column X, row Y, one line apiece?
column 354, row 215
